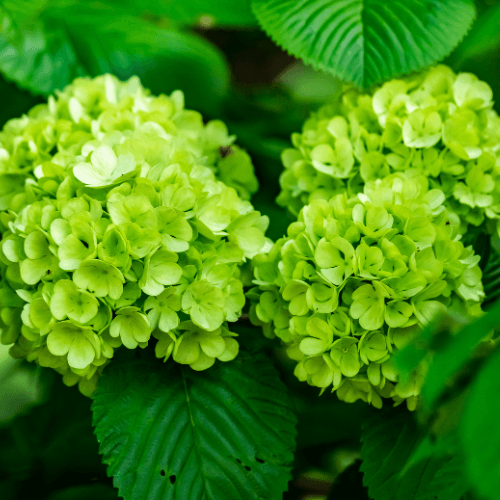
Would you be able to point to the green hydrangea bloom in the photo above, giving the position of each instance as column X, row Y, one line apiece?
column 116, row 226
column 74, row 122
column 357, row 278
column 434, row 123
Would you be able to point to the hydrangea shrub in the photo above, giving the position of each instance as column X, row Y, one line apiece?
column 356, row 278
column 433, row 123
column 116, row 227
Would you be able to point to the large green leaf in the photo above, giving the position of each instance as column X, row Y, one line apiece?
column 480, row 430
column 164, row 59
column 168, row 432
column 389, row 439
column 49, row 51
column 366, row 41
column 38, row 56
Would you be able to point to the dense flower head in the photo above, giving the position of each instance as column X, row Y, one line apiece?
column 357, row 278
column 433, row 123
column 106, row 111
column 116, row 228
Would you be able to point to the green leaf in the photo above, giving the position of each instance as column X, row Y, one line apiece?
column 389, row 439
column 408, row 358
column 480, row 430
column 448, row 482
column 483, row 38
column 20, row 386
column 221, row 12
column 308, row 86
column 38, row 56
column 50, row 446
column 164, row 59
column 366, row 41
column 168, row 432
column 451, row 352
column 455, row 354
column 48, row 52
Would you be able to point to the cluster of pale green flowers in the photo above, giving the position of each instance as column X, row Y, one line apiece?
column 433, row 123
column 107, row 110
column 356, row 279
column 116, row 227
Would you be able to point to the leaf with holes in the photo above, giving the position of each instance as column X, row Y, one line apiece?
column 170, row 433
column 366, row 41
column 389, row 439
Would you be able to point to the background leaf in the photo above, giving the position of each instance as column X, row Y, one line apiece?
column 96, row 491
column 479, row 52
column 48, row 52
column 168, row 432
column 366, row 41
column 20, row 386
column 408, row 358
column 222, row 12
column 454, row 355
column 38, row 56
column 50, row 447
column 447, row 484
column 389, row 439
column 484, row 36
column 480, row 430
column 451, row 352
column 491, row 278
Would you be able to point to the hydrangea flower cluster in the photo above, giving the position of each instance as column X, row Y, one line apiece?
column 106, row 109
column 433, row 123
column 115, row 228
column 357, row 278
